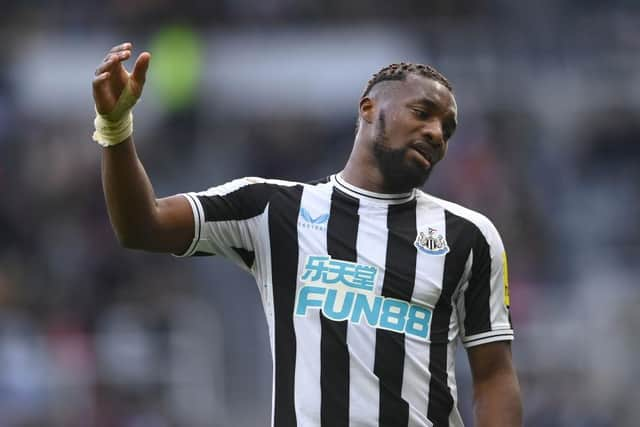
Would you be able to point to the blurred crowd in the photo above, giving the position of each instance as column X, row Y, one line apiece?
column 547, row 146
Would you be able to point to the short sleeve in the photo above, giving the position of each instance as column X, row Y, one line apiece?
column 483, row 304
column 227, row 219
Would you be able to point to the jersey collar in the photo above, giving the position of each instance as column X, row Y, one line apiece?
column 363, row 194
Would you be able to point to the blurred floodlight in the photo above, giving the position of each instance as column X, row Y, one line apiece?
column 177, row 66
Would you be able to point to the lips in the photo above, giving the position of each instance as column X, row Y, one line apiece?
column 424, row 152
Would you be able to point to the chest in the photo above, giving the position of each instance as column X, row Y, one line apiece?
column 397, row 255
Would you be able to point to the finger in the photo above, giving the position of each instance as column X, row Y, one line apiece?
column 123, row 46
column 139, row 74
column 98, row 79
column 104, row 66
column 100, row 92
column 123, row 55
column 111, row 61
column 107, row 65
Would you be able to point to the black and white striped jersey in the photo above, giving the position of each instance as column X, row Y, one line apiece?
column 365, row 294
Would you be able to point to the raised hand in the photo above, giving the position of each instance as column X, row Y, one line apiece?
column 111, row 77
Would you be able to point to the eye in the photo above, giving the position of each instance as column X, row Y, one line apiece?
column 448, row 132
column 420, row 114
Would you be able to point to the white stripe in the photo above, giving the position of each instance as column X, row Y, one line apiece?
column 426, row 292
column 499, row 314
column 311, row 241
column 455, row 419
column 477, row 218
column 364, row 392
column 456, row 323
column 487, row 337
column 237, row 184
column 198, row 221
column 263, row 274
column 264, row 279
column 219, row 237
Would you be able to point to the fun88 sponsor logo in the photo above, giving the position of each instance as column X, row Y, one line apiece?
column 343, row 290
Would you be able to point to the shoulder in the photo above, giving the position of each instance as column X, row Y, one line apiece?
column 474, row 218
column 252, row 182
column 241, row 198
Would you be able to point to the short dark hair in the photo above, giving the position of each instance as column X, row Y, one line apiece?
column 401, row 71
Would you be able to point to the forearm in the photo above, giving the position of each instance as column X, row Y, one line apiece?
column 497, row 402
column 128, row 192
column 139, row 219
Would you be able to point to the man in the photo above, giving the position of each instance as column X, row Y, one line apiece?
column 366, row 281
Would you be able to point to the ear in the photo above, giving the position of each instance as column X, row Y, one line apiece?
column 367, row 109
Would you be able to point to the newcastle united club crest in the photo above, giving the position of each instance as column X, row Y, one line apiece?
column 430, row 243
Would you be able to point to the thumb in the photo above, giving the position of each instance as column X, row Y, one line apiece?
column 139, row 74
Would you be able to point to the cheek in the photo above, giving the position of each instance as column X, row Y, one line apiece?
column 444, row 150
column 403, row 126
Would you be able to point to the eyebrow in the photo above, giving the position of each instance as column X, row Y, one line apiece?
column 433, row 105
column 427, row 102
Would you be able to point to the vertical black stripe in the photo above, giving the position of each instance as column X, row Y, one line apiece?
column 477, row 296
column 342, row 232
column 283, row 234
column 459, row 237
column 399, row 278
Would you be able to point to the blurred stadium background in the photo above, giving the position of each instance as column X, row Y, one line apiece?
column 548, row 146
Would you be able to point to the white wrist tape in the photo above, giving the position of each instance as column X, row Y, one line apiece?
column 110, row 133
column 113, row 128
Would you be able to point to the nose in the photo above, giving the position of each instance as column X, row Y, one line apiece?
column 432, row 133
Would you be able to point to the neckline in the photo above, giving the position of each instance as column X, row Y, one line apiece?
column 362, row 194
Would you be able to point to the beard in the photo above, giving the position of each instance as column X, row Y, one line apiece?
column 400, row 174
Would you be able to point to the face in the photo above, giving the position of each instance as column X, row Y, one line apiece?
column 412, row 121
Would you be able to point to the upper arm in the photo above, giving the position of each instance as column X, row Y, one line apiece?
column 489, row 361
column 173, row 225
column 486, row 331
column 496, row 392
